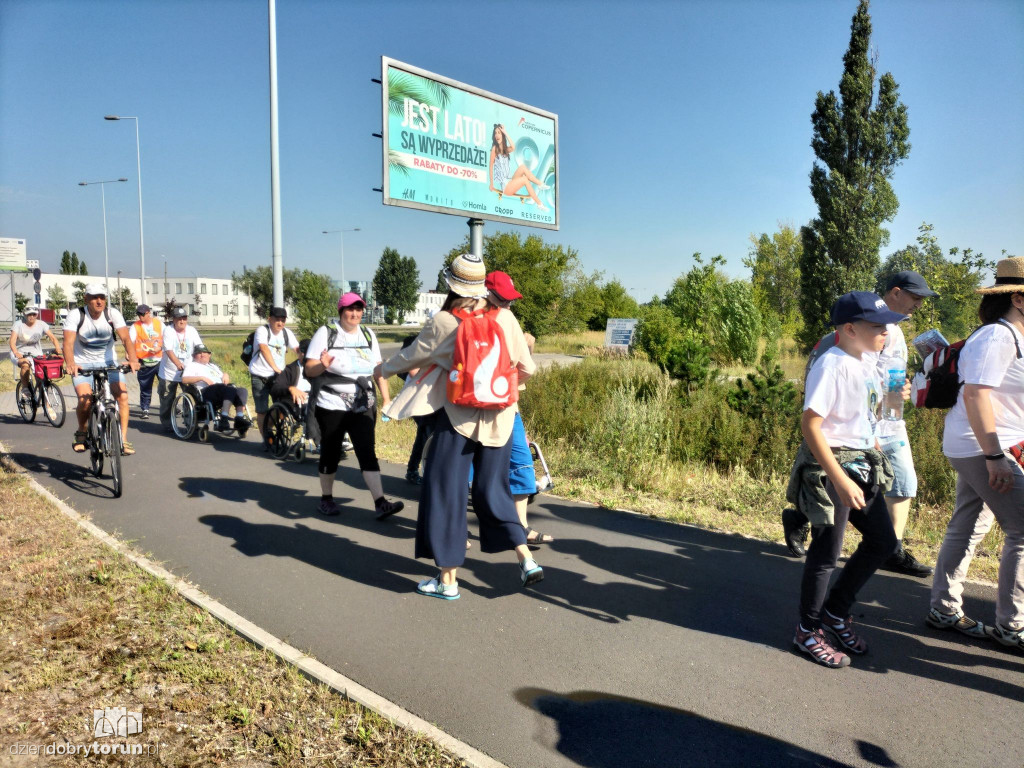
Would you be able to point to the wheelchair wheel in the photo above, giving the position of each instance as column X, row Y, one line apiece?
column 204, row 433
column 183, row 415
column 300, row 451
column 278, row 427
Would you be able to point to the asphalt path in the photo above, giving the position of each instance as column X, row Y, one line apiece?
column 647, row 644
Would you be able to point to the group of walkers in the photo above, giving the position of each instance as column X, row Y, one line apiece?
column 856, row 467
column 464, row 370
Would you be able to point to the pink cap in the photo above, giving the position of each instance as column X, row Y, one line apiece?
column 348, row 299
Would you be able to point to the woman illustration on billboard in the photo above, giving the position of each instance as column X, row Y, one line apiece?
column 502, row 181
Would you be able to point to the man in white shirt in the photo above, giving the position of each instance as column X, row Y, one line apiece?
column 269, row 347
column 216, row 389
column 89, row 335
column 179, row 340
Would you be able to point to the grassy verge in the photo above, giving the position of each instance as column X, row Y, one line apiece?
column 83, row 628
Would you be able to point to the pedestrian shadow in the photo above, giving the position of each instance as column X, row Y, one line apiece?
column 290, row 503
column 327, row 551
column 604, row 730
column 742, row 588
column 348, row 474
column 75, row 476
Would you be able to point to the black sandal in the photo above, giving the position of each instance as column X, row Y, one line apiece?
column 536, row 538
column 79, row 444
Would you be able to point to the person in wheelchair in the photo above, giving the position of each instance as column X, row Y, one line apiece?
column 215, row 387
column 292, row 388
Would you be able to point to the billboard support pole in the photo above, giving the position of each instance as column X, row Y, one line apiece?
column 476, row 237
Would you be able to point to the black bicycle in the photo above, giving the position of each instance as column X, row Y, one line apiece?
column 41, row 390
column 104, row 430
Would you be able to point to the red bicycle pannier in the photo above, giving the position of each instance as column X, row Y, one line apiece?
column 50, row 367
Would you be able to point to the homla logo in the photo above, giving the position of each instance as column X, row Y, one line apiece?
column 528, row 126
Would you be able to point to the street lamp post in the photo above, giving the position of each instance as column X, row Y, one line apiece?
column 103, row 198
column 138, row 166
column 341, row 232
column 120, row 296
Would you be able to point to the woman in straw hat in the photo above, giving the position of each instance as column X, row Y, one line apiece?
column 983, row 439
column 463, row 437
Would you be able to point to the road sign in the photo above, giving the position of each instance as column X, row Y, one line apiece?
column 618, row 334
column 12, row 254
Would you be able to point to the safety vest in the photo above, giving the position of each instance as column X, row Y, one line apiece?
column 149, row 347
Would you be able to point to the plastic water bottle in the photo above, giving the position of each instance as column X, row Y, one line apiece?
column 892, row 400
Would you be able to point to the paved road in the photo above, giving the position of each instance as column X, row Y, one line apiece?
column 648, row 644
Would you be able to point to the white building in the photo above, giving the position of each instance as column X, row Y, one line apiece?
column 427, row 305
column 211, row 300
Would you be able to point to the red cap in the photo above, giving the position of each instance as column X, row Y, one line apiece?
column 502, row 286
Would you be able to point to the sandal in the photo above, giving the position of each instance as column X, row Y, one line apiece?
column 127, row 449
column 79, row 444
column 535, row 538
column 842, row 630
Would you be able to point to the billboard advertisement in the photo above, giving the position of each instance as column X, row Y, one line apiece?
column 12, row 254
column 453, row 148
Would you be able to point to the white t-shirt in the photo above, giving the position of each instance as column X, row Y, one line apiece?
column 989, row 358
column 181, row 345
column 94, row 342
column 279, row 344
column 209, row 371
column 894, row 351
column 844, row 392
column 27, row 340
column 352, row 357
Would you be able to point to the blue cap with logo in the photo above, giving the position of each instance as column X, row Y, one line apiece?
column 863, row 305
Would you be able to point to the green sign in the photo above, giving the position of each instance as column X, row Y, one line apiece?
column 452, row 148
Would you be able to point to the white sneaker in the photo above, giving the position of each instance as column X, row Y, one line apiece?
column 346, row 445
column 434, row 588
column 530, row 572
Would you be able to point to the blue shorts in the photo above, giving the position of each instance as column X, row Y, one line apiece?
column 114, row 377
column 522, row 480
column 897, row 450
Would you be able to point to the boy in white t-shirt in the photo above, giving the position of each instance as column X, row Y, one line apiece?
column 270, row 345
column 838, row 424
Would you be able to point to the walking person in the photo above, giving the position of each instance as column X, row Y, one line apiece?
column 905, row 293
column 178, row 342
column 841, row 476
column 26, row 339
column 984, row 440
column 269, row 348
column 466, row 436
column 90, row 332
column 147, row 334
column 340, row 362
column 424, row 428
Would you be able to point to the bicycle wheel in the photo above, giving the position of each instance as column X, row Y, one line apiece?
column 54, row 406
column 95, row 445
column 25, row 397
column 113, row 446
column 277, row 430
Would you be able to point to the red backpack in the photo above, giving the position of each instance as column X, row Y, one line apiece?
column 482, row 374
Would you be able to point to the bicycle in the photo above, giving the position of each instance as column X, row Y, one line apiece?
column 104, row 430
column 41, row 391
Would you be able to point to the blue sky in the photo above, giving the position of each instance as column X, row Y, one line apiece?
column 683, row 126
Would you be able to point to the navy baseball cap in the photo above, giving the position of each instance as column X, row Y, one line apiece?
column 863, row 305
column 909, row 280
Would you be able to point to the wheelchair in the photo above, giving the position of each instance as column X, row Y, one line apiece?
column 191, row 415
column 284, row 430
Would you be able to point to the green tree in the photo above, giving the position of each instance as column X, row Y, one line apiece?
column 678, row 351
column 82, row 268
column 56, row 298
column 695, row 295
column 615, row 301
column 65, row 264
column 774, row 262
column 125, row 302
column 739, row 323
column 20, row 302
column 396, row 284
column 259, row 284
column 859, row 139
column 75, row 269
column 315, row 302
column 79, row 295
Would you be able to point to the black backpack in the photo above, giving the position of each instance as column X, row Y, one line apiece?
column 249, row 343
column 81, row 318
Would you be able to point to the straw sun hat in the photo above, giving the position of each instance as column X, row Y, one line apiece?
column 467, row 276
column 1009, row 277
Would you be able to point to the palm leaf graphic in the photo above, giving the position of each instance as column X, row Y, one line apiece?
column 395, row 163
column 402, row 85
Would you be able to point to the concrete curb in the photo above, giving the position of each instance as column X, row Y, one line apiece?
column 306, row 664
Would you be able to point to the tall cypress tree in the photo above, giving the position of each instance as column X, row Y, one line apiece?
column 859, row 139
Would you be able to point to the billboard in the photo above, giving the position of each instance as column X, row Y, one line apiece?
column 12, row 254
column 453, row 148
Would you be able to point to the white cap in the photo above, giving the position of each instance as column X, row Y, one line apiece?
column 95, row 289
column 31, row 309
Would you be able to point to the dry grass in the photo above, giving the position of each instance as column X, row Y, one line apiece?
column 83, row 628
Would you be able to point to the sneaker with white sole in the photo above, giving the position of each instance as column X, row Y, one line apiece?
column 1014, row 638
column 529, row 572
column 958, row 621
column 434, row 588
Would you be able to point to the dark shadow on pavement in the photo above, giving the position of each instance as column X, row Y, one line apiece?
column 327, row 551
column 602, row 730
column 76, row 477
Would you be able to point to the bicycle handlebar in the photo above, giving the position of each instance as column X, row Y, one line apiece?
column 106, row 369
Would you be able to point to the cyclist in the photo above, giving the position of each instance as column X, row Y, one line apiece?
column 26, row 341
column 215, row 388
column 89, row 338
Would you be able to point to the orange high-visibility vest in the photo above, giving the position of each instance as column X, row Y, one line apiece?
column 149, row 347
